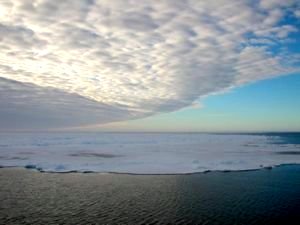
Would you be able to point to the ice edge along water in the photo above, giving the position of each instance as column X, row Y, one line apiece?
column 146, row 153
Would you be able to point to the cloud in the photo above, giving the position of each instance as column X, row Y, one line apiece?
column 24, row 104
column 297, row 13
column 131, row 59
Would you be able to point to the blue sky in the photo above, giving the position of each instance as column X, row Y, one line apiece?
column 269, row 105
column 138, row 65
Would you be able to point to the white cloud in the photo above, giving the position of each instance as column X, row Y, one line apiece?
column 139, row 57
column 297, row 13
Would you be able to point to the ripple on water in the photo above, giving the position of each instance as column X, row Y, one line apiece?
column 256, row 197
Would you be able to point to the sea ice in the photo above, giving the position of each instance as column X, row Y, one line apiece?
column 145, row 153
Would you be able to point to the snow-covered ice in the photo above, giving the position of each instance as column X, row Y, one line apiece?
column 146, row 153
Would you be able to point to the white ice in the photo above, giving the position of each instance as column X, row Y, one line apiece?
column 144, row 153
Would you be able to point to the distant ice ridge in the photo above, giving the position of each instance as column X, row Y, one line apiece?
column 147, row 153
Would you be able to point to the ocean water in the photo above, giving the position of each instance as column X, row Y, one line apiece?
column 147, row 153
column 264, row 196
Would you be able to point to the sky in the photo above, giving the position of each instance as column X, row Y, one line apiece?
column 251, row 108
column 129, row 65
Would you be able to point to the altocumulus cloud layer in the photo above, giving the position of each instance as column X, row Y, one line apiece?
column 77, row 62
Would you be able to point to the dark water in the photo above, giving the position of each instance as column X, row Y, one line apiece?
column 281, row 137
column 254, row 197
